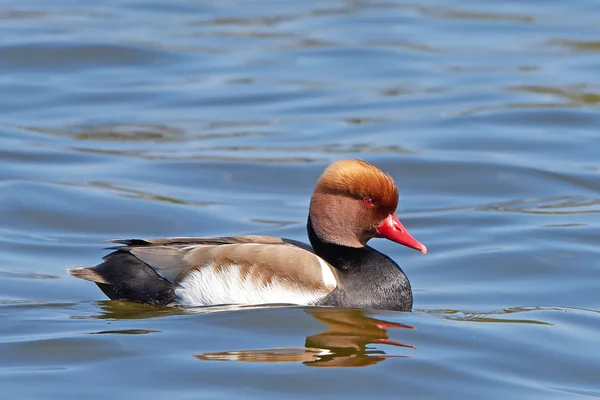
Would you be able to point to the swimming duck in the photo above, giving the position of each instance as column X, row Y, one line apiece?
column 353, row 202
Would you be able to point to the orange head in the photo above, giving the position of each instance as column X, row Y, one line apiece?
column 354, row 201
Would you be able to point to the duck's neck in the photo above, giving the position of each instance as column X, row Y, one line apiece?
column 364, row 259
column 344, row 258
column 368, row 278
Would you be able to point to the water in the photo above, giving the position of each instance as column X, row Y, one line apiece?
column 162, row 118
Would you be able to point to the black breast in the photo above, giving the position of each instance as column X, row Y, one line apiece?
column 368, row 278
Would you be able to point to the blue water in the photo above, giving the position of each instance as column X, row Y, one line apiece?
column 172, row 118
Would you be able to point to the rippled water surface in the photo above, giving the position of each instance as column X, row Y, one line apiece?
column 150, row 118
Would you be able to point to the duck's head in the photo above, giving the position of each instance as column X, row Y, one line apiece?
column 353, row 202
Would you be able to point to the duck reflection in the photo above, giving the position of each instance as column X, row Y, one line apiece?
column 345, row 343
column 123, row 310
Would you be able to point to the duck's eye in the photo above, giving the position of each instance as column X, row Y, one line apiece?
column 368, row 201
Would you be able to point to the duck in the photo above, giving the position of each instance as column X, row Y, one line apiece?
column 353, row 202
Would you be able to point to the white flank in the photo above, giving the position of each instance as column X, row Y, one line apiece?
column 328, row 276
column 205, row 287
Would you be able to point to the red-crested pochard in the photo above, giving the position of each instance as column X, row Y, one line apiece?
column 353, row 202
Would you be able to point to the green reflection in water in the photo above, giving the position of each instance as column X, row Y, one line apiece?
column 574, row 94
column 132, row 193
column 453, row 13
column 560, row 205
column 493, row 317
column 578, row 46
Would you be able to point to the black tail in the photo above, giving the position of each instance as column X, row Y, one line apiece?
column 122, row 276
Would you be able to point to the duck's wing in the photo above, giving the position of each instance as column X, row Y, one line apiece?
column 260, row 239
column 236, row 270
